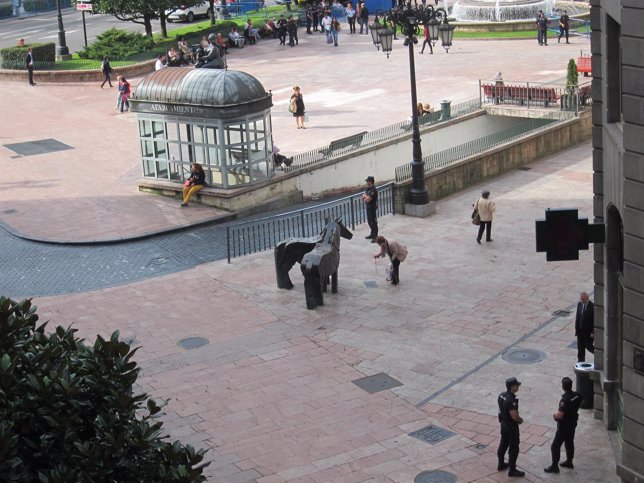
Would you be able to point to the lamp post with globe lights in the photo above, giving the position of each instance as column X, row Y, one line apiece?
column 411, row 19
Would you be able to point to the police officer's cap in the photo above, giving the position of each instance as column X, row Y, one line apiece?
column 512, row 382
column 370, row 178
column 212, row 36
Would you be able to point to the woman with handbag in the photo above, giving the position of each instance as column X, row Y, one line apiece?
column 397, row 253
column 485, row 208
column 193, row 184
column 298, row 100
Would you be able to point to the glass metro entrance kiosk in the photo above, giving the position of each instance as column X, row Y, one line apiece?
column 217, row 118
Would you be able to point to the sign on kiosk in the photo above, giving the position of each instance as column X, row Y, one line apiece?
column 84, row 6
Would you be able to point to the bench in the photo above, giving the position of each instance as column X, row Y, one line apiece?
column 520, row 94
column 584, row 64
column 352, row 141
column 495, row 92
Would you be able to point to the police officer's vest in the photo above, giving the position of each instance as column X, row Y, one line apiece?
column 505, row 401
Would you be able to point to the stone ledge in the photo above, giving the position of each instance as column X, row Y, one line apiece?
column 95, row 75
column 245, row 201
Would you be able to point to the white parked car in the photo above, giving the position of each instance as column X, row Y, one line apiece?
column 183, row 12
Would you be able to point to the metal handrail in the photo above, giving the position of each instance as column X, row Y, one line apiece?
column 456, row 153
column 394, row 131
column 263, row 234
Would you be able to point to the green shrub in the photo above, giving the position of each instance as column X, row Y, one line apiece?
column 68, row 411
column 116, row 44
column 14, row 57
column 6, row 11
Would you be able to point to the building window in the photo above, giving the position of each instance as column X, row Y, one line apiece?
column 234, row 154
column 613, row 70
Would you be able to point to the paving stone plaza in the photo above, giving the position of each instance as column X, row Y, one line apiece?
column 276, row 393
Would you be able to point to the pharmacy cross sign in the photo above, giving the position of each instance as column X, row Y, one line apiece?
column 562, row 234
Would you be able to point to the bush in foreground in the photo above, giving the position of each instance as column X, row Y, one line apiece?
column 68, row 412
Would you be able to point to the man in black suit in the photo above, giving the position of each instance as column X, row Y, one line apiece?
column 584, row 327
column 29, row 61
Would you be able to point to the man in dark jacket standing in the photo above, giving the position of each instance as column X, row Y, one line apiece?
column 584, row 327
column 364, row 18
column 370, row 198
column 566, row 417
column 29, row 61
column 510, row 420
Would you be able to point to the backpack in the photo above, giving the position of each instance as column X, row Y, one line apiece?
column 292, row 106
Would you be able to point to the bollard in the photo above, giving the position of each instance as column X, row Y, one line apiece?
column 585, row 383
column 445, row 110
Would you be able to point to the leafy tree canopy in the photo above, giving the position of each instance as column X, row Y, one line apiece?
column 68, row 412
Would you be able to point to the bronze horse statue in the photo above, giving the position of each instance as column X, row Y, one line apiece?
column 319, row 258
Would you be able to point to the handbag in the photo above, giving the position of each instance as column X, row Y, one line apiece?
column 389, row 272
column 187, row 183
column 476, row 218
column 292, row 106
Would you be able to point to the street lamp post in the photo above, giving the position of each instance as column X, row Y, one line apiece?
column 62, row 52
column 411, row 19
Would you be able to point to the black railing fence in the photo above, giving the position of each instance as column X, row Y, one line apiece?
column 263, row 234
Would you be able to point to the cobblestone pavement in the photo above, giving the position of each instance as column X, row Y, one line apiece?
column 272, row 393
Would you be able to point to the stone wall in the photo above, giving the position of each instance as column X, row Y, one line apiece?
column 476, row 169
column 96, row 75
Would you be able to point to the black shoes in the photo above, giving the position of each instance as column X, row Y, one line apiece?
column 373, row 240
column 368, row 237
column 478, row 241
column 551, row 469
column 567, row 464
column 489, row 240
column 516, row 473
column 503, row 466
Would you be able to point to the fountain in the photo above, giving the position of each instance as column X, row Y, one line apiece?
column 500, row 10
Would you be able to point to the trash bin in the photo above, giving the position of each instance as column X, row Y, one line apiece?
column 446, row 110
column 585, row 383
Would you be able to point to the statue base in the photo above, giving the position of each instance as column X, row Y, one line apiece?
column 420, row 211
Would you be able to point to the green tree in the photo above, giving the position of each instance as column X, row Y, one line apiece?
column 68, row 412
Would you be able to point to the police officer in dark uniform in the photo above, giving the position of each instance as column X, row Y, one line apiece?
column 370, row 198
column 510, row 420
column 566, row 417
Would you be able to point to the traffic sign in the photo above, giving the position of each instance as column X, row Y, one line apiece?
column 84, row 6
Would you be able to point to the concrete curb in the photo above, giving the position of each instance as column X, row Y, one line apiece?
column 113, row 241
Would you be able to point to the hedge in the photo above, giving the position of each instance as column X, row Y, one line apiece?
column 42, row 5
column 6, row 11
column 12, row 56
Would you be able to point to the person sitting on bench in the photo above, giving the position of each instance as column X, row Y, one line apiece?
column 236, row 39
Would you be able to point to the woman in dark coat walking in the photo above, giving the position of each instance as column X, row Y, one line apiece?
column 299, row 107
column 106, row 68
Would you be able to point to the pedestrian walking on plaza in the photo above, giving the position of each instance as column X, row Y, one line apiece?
column 364, row 18
column 564, row 26
column 397, row 253
column 351, row 18
column 566, row 417
column 370, row 197
column 29, row 63
column 315, row 13
column 281, row 29
column 510, row 421
column 584, row 327
column 335, row 31
column 125, row 91
column 485, row 207
column 106, row 69
column 195, row 183
column 298, row 114
column 426, row 40
column 291, row 28
column 542, row 28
